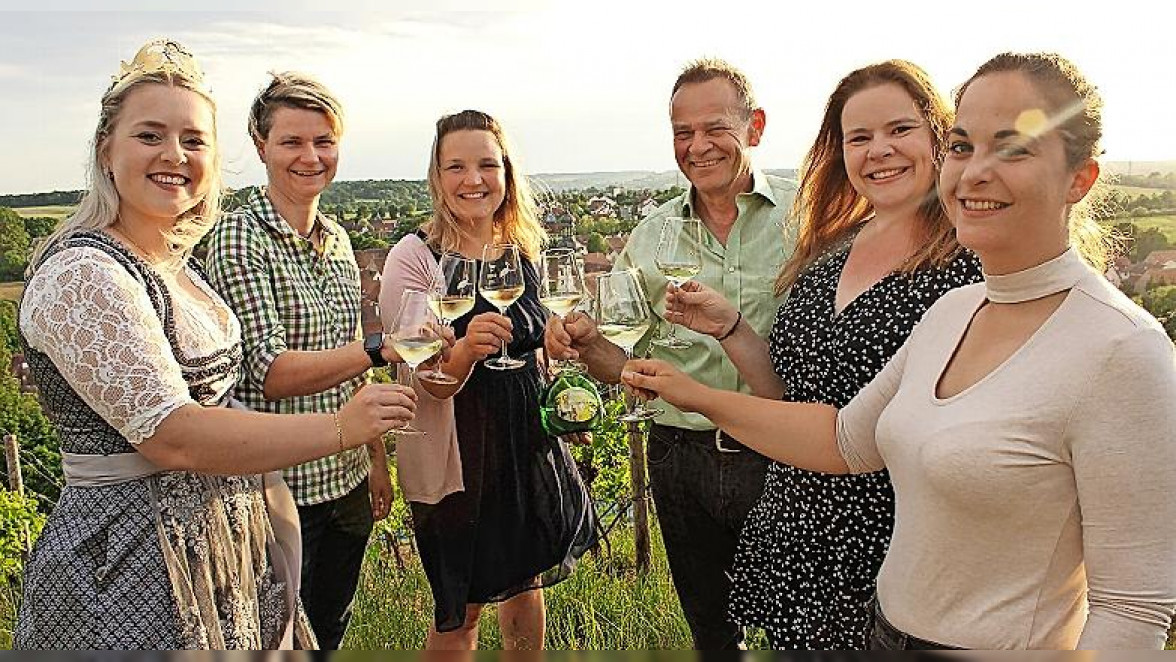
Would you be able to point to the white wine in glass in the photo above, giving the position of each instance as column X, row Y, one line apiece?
column 448, row 307
column 416, row 336
column 623, row 318
column 561, row 288
column 679, row 258
column 500, row 281
column 451, row 297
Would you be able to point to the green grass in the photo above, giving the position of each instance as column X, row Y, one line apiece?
column 1165, row 224
column 605, row 605
column 56, row 211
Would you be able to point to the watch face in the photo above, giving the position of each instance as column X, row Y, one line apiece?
column 374, row 342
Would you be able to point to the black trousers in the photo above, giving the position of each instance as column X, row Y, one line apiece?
column 334, row 537
column 703, row 492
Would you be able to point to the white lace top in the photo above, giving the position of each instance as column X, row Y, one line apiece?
column 96, row 323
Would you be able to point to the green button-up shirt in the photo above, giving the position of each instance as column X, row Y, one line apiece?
column 290, row 296
column 744, row 271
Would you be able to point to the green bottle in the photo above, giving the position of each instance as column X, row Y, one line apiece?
column 570, row 404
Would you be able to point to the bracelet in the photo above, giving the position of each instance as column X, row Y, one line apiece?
column 338, row 430
column 738, row 319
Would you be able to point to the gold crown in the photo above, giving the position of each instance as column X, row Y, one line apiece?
column 161, row 56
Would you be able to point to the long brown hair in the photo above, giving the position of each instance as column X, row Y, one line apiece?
column 1077, row 111
column 517, row 218
column 827, row 205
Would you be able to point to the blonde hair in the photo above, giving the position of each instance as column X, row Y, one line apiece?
column 291, row 89
column 98, row 208
column 1077, row 107
column 517, row 218
column 827, row 205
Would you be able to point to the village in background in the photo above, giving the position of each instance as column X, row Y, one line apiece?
column 593, row 213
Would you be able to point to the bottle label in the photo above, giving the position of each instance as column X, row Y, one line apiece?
column 576, row 404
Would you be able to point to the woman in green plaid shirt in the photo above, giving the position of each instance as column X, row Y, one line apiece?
column 289, row 273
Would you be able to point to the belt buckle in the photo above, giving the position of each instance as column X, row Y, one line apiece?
column 719, row 443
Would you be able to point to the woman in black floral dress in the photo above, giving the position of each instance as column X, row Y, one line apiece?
column 874, row 251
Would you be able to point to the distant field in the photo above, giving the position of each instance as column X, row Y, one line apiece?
column 1165, row 224
column 1133, row 191
column 55, row 211
column 11, row 291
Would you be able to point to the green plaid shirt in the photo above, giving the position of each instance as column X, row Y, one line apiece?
column 288, row 296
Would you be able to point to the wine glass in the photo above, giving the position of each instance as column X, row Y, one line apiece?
column 500, row 281
column 679, row 258
column 623, row 317
column 416, row 337
column 561, row 287
column 451, row 296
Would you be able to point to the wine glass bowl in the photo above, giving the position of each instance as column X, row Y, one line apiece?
column 416, row 336
column 451, row 296
column 678, row 258
column 561, row 287
column 623, row 318
column 500, row 281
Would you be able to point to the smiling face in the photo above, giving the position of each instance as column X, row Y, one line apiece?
column 712, row 136
column 887, row 147
column 473, row 175
column 1006, row 183
column 160, row 152
column 301, row 154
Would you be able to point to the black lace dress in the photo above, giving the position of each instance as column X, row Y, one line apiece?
column 811, row 547
column 525, row 515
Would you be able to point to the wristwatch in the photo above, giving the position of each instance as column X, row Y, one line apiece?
column 372, row 344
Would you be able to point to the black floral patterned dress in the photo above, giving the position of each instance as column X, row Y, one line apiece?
column 811, row 547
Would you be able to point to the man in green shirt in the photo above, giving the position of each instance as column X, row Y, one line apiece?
column 704, row 483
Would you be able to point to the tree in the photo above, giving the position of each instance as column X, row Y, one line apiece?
column 21, row 414
column 14, row 244
column 1161, row 302
column 1146, row 241
column 596, row 243
column 40, row 226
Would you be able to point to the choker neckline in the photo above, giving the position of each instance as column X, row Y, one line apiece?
column 1057, row 275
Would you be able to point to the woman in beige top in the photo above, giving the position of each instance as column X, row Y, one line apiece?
column 1028, row 422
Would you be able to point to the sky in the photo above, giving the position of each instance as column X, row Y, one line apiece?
column 580, row 85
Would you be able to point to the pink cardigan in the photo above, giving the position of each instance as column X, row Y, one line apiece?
column 429, row 465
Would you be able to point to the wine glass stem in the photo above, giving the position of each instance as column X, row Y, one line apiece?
column 505, row 356
column 628, row 402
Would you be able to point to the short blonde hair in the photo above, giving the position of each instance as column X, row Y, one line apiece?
column 291, row 89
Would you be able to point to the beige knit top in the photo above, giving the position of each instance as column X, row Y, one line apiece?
column 1037, row 508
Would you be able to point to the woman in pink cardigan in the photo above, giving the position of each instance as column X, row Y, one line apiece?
column 498, row 507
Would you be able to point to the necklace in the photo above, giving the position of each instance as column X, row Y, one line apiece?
column 164, row 265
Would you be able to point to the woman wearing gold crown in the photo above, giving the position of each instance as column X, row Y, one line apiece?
column 172, row 530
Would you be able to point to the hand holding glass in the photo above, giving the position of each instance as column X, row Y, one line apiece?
column 623, row 317
column 679, row 258
column 416, row 337
column 501, row 283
